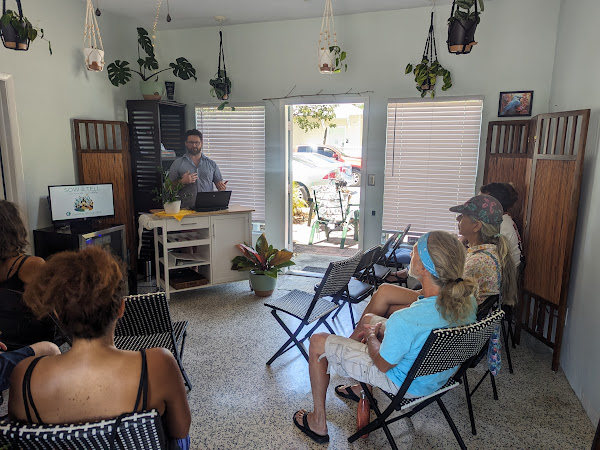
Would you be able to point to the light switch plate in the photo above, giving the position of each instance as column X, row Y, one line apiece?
column 371, row 179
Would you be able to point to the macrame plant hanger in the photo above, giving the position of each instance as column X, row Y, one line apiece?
column 326, row 57
column 226, row 87
column 430, row 51
column 93, row 50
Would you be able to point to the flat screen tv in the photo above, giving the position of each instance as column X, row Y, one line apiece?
column 81, row 202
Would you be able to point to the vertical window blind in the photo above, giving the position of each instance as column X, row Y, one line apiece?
column 235, row 140
column 430, row 162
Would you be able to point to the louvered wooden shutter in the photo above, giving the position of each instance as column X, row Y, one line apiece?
column 430, row 161
column 235, row 140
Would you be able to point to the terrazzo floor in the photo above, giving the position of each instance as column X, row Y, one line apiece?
column 240, row 403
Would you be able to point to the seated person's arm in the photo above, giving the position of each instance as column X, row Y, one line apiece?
column 373, row 345
column 166, row 378
column 30, row 269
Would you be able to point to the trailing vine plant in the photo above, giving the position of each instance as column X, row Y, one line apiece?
column 427, row 72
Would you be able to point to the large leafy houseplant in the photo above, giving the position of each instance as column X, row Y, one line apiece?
column 119, row 72
column 462, row 23
column 263, row 259
column 18, row 31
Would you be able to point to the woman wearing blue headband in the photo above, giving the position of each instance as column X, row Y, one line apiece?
column 387, row 348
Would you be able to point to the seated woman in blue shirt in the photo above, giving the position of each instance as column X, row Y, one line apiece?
column 388, row 348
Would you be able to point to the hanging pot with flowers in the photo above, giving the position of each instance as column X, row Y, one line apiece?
column 427, row 72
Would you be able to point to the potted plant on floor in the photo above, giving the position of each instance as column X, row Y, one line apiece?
column 168, row 193
column 264, row 263
column 462, row 24
column 119, row 72
column 17, row 31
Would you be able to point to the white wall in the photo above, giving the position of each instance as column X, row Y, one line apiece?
column 576, row 51
column 515, row 52
column 51, row 90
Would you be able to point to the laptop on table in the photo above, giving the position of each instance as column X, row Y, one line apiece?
column 212, row 201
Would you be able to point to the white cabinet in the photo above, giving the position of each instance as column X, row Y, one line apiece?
column 227, row 231
column 203, row 245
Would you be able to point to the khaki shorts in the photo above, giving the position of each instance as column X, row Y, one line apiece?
column 350, row 358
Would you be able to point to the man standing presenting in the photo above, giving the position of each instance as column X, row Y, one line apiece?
column 196, row 171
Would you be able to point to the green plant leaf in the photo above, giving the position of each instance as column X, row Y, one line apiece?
column 432, row 93
column 481, row 7
column 119, row 72
column 5, row 19
column 409, row 68
column 145, row 42
column 342, row 56
column 150, row 63
column 423, row 93
column 183, row 69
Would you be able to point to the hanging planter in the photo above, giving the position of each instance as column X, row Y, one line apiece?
column 93, row 50
column 462, row 24
column 16, row 31
column 427, row 72
column 331, row 56
column 221, row 84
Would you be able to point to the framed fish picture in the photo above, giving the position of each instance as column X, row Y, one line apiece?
column 516, row 103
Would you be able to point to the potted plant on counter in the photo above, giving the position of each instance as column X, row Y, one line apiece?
column 462, row 24
column 168, row 193
column 119, row 72
column 264, row 263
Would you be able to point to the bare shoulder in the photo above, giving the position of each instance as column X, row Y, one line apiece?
column 162, row 360
column 31, row 268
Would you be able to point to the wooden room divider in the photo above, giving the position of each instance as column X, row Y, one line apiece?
column 543, row 159
column 103, row 157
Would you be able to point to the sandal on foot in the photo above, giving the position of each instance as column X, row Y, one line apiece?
column 345, row 391
column 318, row 438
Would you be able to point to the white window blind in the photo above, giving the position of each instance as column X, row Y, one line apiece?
column 235, row 140
column 430, row 162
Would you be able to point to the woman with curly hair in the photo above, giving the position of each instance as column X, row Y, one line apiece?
column 388, row 347
column 94, row 380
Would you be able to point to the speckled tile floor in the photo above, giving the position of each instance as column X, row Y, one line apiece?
column 240, row 403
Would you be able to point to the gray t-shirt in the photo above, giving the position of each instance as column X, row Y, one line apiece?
column 208, row 174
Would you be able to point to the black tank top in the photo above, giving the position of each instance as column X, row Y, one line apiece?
column 28, row 397
column 13, row 281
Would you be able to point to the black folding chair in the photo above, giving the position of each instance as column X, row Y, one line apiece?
column 380, row 270
column 444, row 349
column 309, row 308
column 147, row 324
column 489, row 304
column 398, row 256
column 358, row 288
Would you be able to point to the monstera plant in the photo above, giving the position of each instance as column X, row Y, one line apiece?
column 119, row 72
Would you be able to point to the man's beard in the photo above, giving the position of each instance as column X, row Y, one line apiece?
column 194, row 151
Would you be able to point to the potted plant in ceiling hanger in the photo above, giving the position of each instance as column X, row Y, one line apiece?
column 463, row 21
column 119, row 72
column 221, row 84
column 427, row 72
column 331, row 56
column 93, row 50
column 17, row 31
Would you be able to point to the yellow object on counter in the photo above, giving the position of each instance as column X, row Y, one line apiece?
column 180, row 215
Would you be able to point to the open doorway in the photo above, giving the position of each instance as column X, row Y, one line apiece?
column 326, row 174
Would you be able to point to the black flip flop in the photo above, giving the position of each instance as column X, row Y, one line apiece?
column 348, row 393
column 318, row 438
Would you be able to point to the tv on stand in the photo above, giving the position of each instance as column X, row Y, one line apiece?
column 81, row 206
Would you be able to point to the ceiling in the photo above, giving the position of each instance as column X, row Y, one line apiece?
column 200, row 13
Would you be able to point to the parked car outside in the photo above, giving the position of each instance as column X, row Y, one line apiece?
column 332, row 152
column 311, row 169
